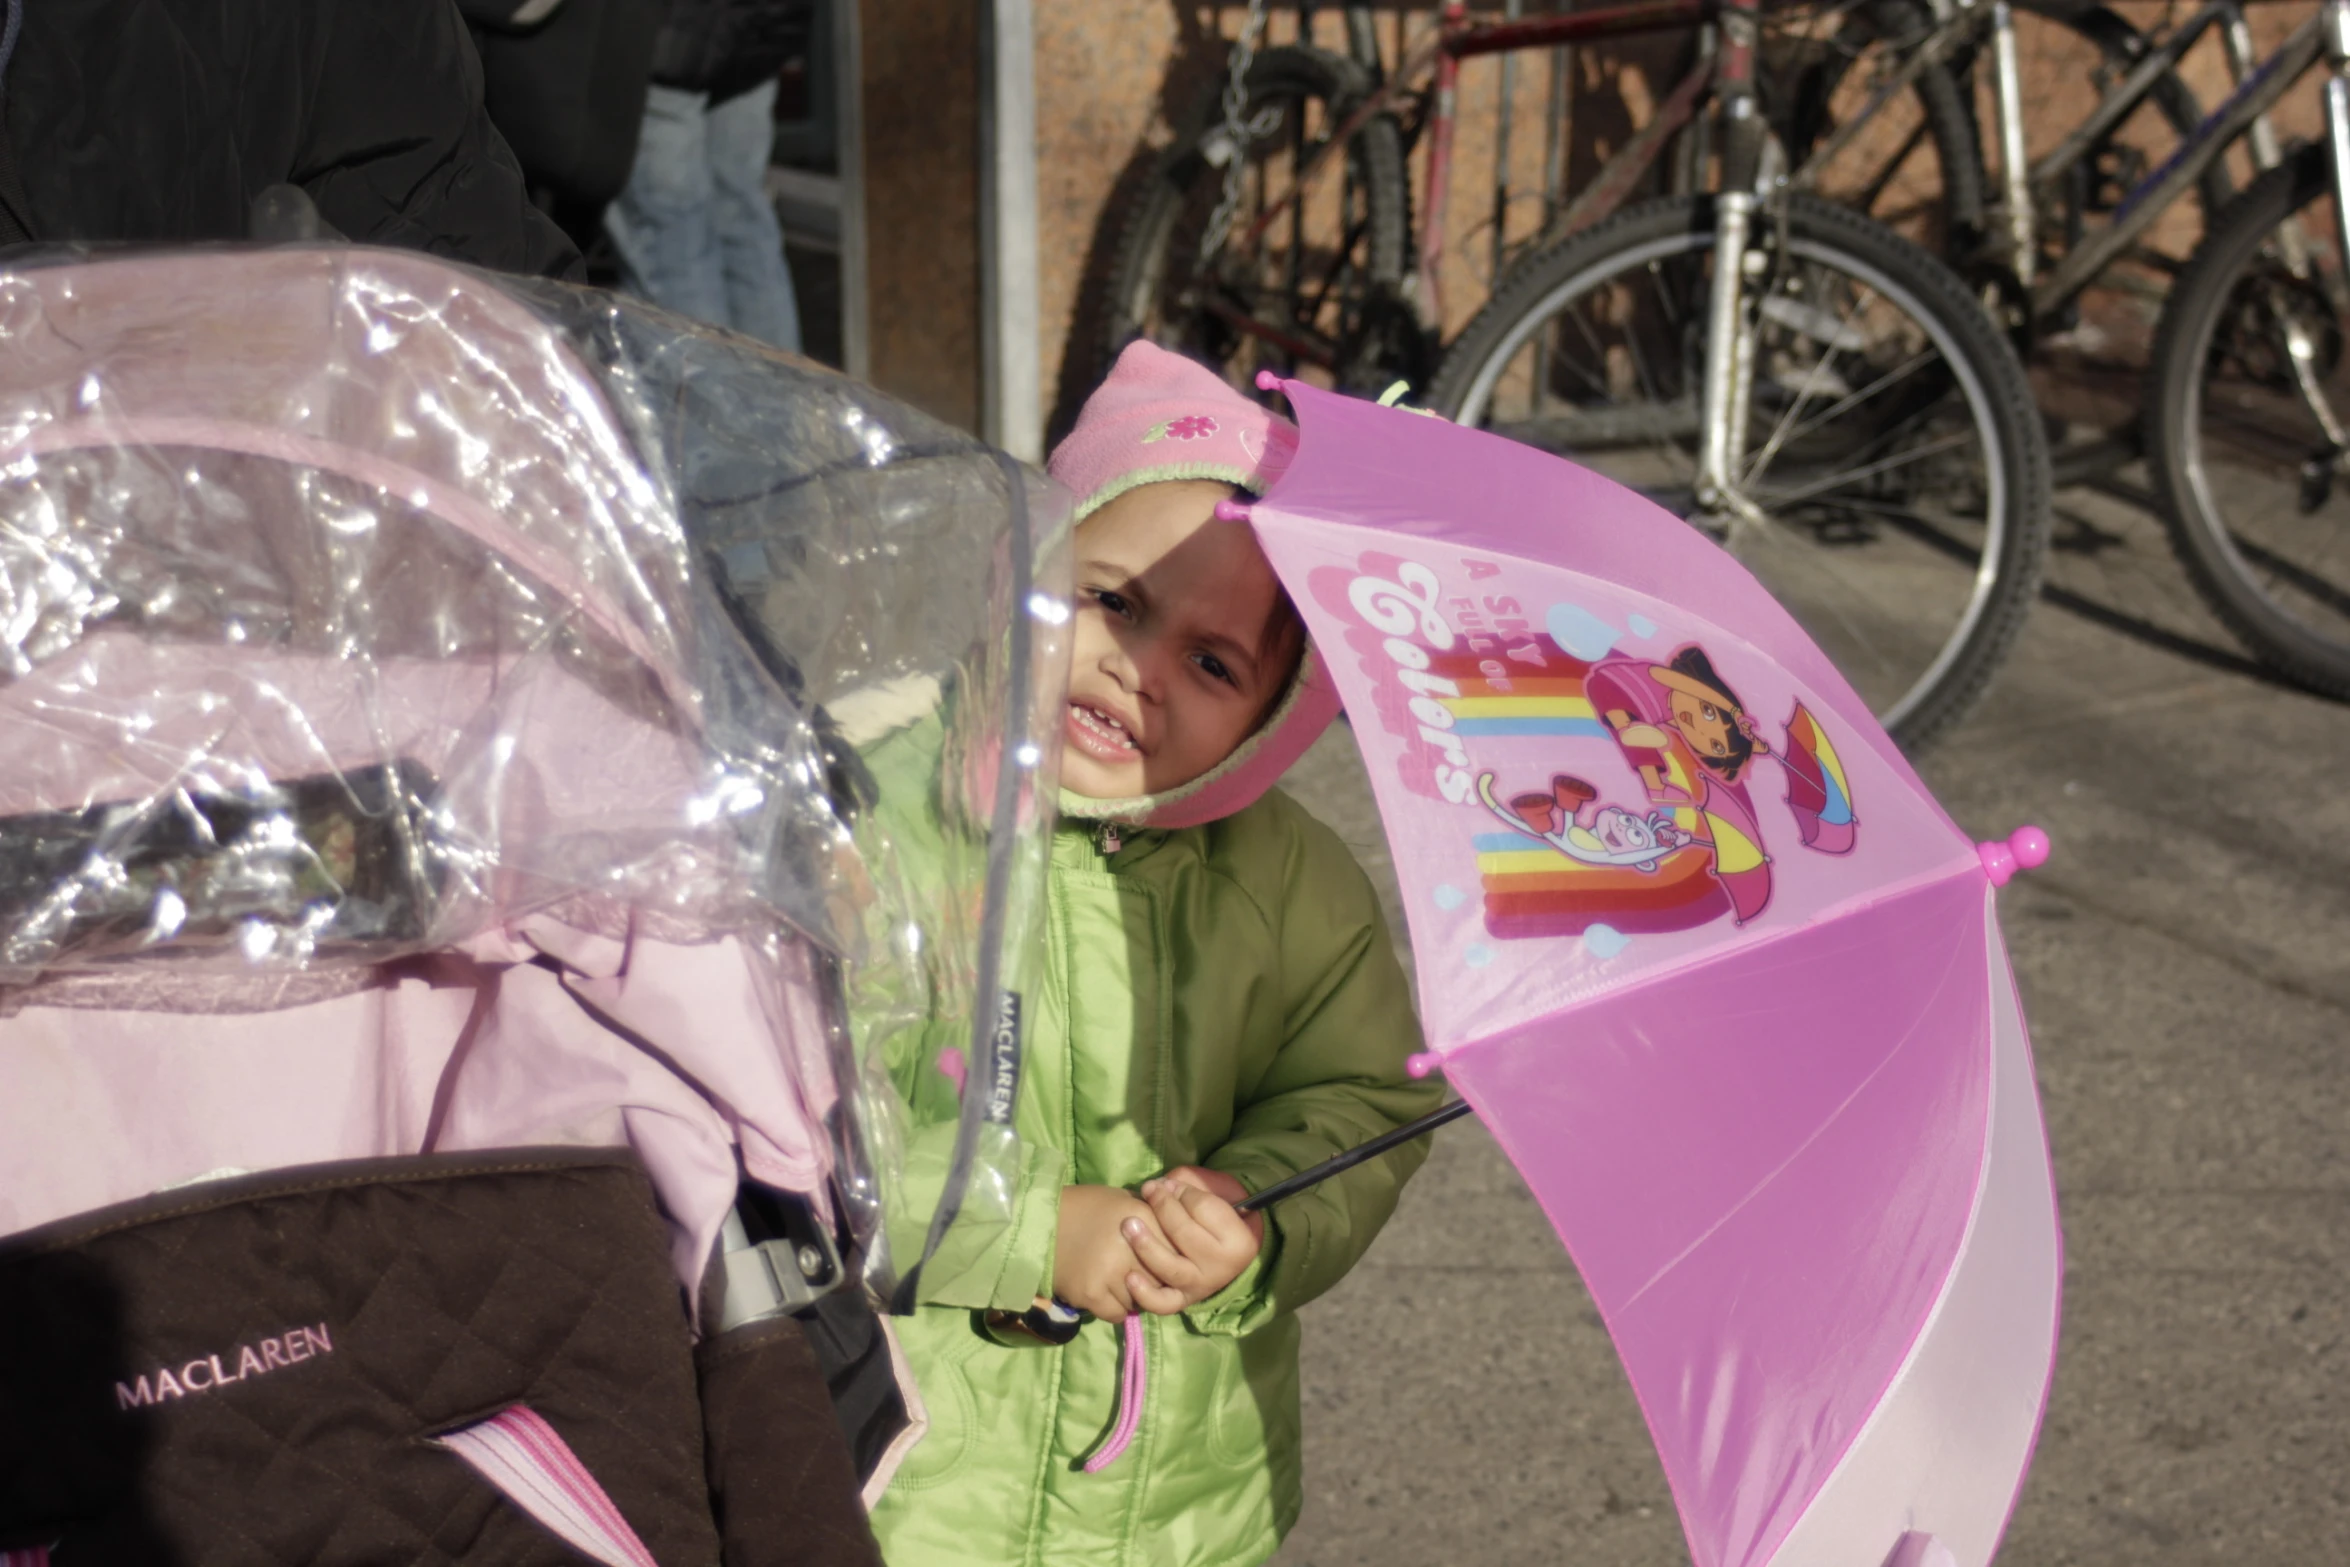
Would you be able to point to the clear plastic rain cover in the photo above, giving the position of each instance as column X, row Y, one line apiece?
column 355, row 607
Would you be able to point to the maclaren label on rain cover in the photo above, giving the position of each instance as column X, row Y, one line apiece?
column 225, row 1368
column 1589, row 770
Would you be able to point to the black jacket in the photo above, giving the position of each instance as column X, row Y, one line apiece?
column 160, row 120
column 727, row 47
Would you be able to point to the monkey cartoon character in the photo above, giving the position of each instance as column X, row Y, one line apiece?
column 1571, row 820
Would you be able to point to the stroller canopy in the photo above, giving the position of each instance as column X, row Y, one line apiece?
column 423, row 687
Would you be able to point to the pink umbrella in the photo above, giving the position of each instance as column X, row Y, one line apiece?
column 1724, row 981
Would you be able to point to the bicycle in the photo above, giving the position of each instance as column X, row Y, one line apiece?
column 1897, row 442
column 2240, row 432
column 1324, row 274
column 2243, row 432
column 2051, row 182
column 1872, row 101
column 2245, row 438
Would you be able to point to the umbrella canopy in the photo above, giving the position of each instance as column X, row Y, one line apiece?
column 1725, row 982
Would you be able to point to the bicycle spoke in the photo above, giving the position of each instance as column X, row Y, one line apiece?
column 1844, row 405
column 1296, row 202
column 1651, row 389
column 1803, row 395
column 1855, row 635
column 1598, row 351
column 1341, row 269
column 1867, row 471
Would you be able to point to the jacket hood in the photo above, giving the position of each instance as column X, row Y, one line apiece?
column 1158, row 418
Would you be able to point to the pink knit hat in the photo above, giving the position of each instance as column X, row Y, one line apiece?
column 1159, row 417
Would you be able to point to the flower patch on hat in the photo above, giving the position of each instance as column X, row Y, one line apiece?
column 1191, row 427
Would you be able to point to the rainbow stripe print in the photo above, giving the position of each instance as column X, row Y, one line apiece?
column 1543, row 704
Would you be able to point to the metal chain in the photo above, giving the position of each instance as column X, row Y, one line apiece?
column 1228, row 145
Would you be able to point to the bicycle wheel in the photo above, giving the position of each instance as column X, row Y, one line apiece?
column 1891, row 442
column 2242, row 466
column 1916, row 168
column 1317, row 291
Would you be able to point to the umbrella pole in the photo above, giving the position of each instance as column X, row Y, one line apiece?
column 1353, row 1156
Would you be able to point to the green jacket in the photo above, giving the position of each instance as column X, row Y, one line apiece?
column 1222, row 995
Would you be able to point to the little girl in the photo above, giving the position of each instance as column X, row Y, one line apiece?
column 1220, row 1009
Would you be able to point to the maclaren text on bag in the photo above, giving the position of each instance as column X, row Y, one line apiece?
column 227, row 1368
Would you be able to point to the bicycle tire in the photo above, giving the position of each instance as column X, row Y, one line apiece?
column 1156, row 289
column 1996, row 403
column 2218, row 556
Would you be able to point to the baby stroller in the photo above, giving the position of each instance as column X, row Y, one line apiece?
column 445, row 934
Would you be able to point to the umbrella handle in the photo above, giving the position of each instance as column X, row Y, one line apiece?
column 1057, row 1322
column 1353, row 1156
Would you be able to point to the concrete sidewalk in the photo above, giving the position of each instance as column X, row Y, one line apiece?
column 2185, row 960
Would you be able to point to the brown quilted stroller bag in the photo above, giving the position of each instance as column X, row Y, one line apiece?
column 287, row 1368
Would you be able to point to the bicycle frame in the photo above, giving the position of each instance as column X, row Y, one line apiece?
column 1460, row 39
column 1456, row 39
column 1970, row 21
column 1727, row 67
column 2260, row 85
column 2243, row 113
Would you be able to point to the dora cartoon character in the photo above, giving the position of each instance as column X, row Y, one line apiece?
column 1686, row 733
column 1715, row 731
column 1701, row 708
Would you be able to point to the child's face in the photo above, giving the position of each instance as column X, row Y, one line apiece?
column 1172, row 665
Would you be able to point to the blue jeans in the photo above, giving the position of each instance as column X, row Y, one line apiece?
column 694, row 229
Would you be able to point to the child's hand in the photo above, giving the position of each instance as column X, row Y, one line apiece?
column 1091, row 1257
column 1203, row 1244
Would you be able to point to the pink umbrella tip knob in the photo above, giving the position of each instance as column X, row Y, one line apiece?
column 1231, row 511
column 2025, row 849
column 1423, row 1062
column 1268, row 381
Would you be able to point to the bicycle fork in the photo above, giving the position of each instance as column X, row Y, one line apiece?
column 1729, row 346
